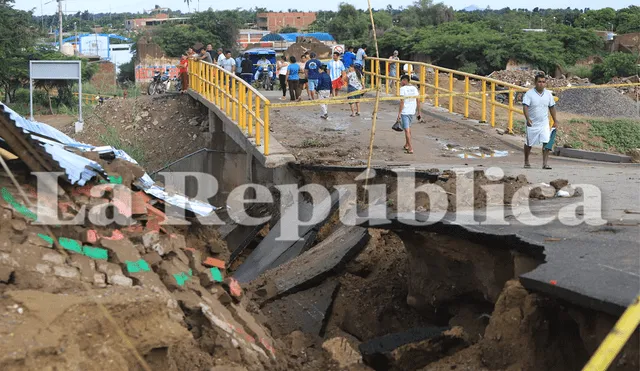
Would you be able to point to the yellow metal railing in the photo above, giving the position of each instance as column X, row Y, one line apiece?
column 88, row 98
column 242, row 103
column 430, row 83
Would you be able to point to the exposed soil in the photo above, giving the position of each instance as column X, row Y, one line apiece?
column 160, row 129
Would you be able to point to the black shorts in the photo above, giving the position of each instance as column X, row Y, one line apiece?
column 303, row 81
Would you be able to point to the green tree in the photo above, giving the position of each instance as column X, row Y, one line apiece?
column 628, row 20
column 223, row 25
column 16, row 43
column 425, row 13
column 578, row 43
column 350, row 25
column 176, row 39
column 615, row 65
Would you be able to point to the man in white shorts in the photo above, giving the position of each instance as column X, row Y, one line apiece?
column 538, row 102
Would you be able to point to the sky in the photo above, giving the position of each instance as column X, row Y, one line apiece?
column 134, row 6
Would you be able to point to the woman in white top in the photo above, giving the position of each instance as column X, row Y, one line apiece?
column 282, row 66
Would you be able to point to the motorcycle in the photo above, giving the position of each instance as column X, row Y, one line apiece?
column 265, row 81
column 161, row 83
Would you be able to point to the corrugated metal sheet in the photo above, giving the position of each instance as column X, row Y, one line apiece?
column 56, row 145
column 291, row 37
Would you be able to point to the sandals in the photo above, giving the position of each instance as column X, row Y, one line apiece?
column 357, row 113
column 546, row 167
column 527, row 166
column 353, row 115
column 408, row 152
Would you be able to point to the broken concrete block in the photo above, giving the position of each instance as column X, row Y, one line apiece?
column 195, row 260
column 95, row 253
column 108, row 268
column 177, row 242
column 329, row 255
column 53, row 257
column 558, row 184
column 150, row 238
column 387, row 343
column 66, row 272
column 43, row 268
column 122, row 250
column 305, row 310
column 100, row 280
column 120, row 280
column 85, row 265
column 6, row 215
column 342, row 352
column 182, row 256
column 174, row 273
column 153, row 258
column 137, row 266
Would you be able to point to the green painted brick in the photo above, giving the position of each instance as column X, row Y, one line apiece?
column 181, row 278
column 8, row 197
column 95, row 252
column 70, row 244
column 216, row 274
column 135, row 267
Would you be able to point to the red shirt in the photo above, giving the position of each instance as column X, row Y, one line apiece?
column 183, row 65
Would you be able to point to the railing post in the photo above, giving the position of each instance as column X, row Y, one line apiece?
column 423, row 80
column 250, row 115
column 241, row 117
column 493, row 104
column 398, row 75
column 450, row 91
column 466, row 96
column 266, row 129
column 510, row 111
column 234, row 99
column 386, row 80
column 483, row 114
column 437, row 88
column 258, row 117
column 216, row 80
column 226, row 83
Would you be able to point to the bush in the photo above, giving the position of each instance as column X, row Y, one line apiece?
column 615, row 65
column 469, row 67
column 582, row 71
column 39, row 97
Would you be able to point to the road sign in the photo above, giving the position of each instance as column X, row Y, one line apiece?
column 338, row 48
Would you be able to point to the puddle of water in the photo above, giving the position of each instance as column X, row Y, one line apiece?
column 474, row 152
column 472, row 155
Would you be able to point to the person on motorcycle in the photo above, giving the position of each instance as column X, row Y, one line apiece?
column 263, row 66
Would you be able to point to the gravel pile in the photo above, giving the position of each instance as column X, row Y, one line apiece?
column 526, row 78
column 606, row 103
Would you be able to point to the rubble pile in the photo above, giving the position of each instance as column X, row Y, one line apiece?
column 99, row 237
column 526, row 78
column 632, row 91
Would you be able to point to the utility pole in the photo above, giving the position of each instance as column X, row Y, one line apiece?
column 60, row 21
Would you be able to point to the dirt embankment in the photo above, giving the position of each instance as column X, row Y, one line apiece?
column 155, row 131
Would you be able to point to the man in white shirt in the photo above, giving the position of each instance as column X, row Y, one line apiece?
column 221, row 56
column 261, row 63
column 229, row 64
column 538, row 102
column 408, row 108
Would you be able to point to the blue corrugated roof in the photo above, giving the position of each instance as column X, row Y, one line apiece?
column 291, row 37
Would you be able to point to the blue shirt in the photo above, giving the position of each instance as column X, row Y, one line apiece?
column 313, row 66
column 347, row 59
column 294, row 69
column 324, row 82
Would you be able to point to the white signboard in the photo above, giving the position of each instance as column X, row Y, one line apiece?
column 56, row 70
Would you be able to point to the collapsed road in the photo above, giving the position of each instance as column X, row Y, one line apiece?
column 379, row 295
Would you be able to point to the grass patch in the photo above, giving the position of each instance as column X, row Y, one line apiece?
column 112, row 138
column 623, row 135
column 580, row 71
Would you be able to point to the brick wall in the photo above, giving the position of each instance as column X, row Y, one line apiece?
column 276, row 21
column 105, row 78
